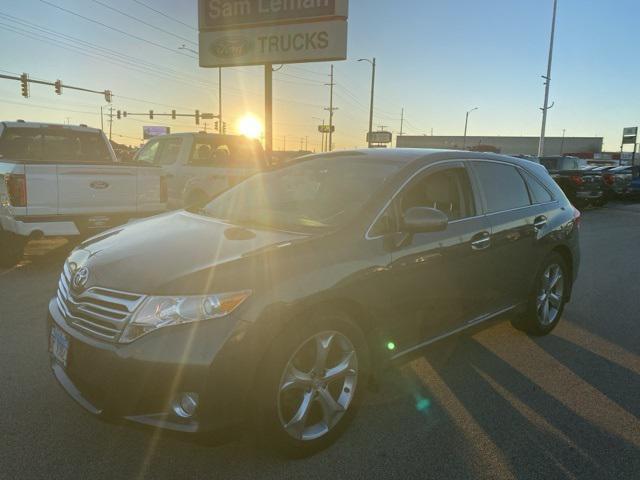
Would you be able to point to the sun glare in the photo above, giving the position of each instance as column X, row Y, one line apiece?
column 250, row 126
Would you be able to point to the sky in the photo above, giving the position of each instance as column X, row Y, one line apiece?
column 436, row 59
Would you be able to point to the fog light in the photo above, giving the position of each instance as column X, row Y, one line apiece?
column 186, row 405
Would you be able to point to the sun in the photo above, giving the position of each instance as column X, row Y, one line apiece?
column 250, row 126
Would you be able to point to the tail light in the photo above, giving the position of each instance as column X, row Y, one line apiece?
column 577, row 217
column 164, row 190
column 608, row 179
column 577, row 179
column 17, row 190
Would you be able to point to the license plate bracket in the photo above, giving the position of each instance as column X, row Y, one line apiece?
column 59, row 345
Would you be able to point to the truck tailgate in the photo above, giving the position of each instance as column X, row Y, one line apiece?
column 90, row 189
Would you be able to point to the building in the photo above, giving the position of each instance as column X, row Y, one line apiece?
column 506, row 145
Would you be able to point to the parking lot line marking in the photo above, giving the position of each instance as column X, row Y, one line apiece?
column 557, row 380
column 487, row 451
column 598, row 345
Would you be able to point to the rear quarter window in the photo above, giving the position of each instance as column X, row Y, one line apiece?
column 503, row 186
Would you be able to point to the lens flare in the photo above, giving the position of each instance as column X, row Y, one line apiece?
column 250, row 126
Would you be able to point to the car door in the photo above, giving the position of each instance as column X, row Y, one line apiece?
column 439, row 279
column 513, row 233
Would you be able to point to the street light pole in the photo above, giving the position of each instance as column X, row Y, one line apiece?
column 546, row 106
column 373, row 87
column 466, row 124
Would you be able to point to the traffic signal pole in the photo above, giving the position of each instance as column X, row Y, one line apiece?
column 268, row 110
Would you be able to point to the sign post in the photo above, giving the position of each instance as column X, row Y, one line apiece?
column 630, row 137
column 265, row 32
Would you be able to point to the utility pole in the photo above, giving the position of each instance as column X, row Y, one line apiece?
column 101, row 119
column 110, row 121
column 268, row 110
column 564, row 131
column 547, row 83
column 466, row 124
column 331, row 109
column 220, row 99
column 284, row 143
column 373, row 87
column 401, row 122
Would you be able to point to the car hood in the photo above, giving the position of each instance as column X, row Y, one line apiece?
column 146, row 256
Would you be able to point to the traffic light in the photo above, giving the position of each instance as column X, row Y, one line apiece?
column 58, row 87
column 118, row 114
column 217, row 126
column 151, row 114
column 108, row 95
column 197, row 117
column 224, row 128
column 124, row 114
column 173, row 114
column 24, row 84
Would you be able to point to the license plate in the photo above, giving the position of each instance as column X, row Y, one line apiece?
column 59, row 345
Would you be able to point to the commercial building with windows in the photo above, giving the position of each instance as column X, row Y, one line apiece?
column 505, row 145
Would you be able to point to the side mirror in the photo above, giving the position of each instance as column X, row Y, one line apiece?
column 424, row 220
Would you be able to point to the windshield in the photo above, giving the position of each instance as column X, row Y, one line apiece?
column 321, row 192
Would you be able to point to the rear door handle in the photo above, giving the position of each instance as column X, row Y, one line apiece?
column 481, row 241
column 540, row 222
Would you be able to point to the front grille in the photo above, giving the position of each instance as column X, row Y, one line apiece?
column 100, row 312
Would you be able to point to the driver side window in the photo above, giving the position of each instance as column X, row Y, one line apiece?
column 446, row 190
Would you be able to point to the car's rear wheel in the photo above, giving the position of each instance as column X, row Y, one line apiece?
column 548, row 299
column 311, row 384
column 11, row 249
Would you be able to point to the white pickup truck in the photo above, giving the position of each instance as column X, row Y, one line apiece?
column 198, row 166
column 61, row 180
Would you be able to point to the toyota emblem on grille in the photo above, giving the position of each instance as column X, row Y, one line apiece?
column 80, row 278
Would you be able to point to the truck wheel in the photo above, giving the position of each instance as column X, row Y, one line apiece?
column 548, row 298
column 311, row 382
column 11, row 249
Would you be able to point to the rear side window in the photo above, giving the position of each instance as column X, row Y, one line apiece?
column 504, row 188
column 55, row 145
column 539, row 194
column 169, row 151
column 227, row 152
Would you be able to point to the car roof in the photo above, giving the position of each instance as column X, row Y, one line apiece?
column 79, row 128
column 422, row 156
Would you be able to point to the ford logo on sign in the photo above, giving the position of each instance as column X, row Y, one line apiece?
column 230, row 47
column 99, row 185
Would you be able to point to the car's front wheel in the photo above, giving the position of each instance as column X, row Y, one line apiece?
column 548, row 298
column 311, row 383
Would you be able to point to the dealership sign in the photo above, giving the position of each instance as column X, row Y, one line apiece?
column 256, row 32
column 630, row 136
column 219, row 14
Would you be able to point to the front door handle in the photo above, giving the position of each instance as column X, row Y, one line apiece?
column 481, row 241
column 540, row 222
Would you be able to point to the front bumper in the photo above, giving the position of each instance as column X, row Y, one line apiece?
column 140, row 381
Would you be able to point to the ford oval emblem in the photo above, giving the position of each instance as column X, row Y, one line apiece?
column 99, row 185
column 231, row 47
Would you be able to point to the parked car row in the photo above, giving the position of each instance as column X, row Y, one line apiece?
column 66, row 181
column 588, row 185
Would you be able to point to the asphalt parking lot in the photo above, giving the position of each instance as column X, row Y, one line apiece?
column 492, row 404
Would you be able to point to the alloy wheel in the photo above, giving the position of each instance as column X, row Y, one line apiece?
column 317, row 386
column 551, row 295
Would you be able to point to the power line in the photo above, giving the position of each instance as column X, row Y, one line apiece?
column 150, row 42
column 132, row 17
column 165, row 15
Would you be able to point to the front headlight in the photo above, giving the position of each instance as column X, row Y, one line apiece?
column 158, row 312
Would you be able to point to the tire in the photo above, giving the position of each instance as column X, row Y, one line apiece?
column 11, row 249
column 546, row 298
column 298, row 412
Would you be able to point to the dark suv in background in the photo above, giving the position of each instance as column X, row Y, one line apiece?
column 582, row 186
column 274, row 303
